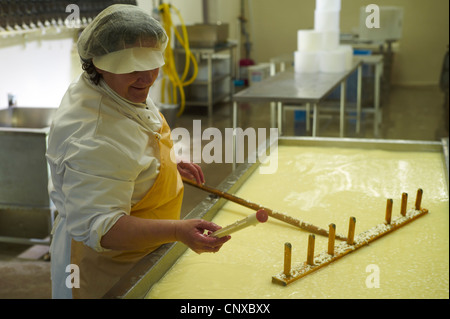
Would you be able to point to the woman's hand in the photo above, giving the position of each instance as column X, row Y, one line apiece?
column 194, row 233
column 191, row 171
column 130, row 233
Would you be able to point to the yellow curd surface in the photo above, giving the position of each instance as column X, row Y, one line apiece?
column 323, row 186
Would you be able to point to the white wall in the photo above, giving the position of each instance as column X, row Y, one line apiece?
column 420, row 53
column 38, row 69
column 35, row 68
column 191, row 12
column 226, row 11
column 273, row 26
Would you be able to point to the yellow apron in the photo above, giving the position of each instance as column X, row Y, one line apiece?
column 99, row 271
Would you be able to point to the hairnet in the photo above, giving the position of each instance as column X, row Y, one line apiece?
column 122, row 39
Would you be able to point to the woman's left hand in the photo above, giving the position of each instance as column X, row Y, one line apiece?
column 191, row 171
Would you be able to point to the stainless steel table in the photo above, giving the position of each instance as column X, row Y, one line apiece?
column 299, row 88
column 373, row 60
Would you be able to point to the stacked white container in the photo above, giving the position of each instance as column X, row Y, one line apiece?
column 319, row 50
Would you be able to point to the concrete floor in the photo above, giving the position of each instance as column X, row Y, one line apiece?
column 408, row 113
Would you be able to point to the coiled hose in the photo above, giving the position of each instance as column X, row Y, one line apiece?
column 176, row 84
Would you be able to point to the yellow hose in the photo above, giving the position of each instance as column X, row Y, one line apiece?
column 169, row 69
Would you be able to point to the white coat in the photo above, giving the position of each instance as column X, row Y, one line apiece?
column 102, row 161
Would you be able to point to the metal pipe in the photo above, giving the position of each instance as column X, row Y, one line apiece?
column 205, row 8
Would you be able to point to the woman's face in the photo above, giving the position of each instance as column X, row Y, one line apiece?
column 132, row 86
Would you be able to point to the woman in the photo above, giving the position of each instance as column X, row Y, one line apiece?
column 114, row 180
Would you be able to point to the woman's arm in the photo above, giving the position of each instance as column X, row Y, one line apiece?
column 130, row 232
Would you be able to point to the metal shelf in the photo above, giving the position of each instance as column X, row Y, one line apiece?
column 210, row 54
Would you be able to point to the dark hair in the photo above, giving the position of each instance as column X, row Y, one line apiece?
column 89, row 67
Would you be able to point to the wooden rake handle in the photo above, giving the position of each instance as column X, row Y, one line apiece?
column 280, row 216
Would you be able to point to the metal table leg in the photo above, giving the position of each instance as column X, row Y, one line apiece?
column 273, row 112
column 315, row 116
column 308, row 113
column 377, row 115
column 210, row 90
column 342, row 115
column 280, row 117
column 235, row 109
column 358, row 100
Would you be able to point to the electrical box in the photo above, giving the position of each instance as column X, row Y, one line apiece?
column 390, row 24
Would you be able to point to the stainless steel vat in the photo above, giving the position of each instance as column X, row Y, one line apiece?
column 139, row 280
column 24, row 202
column 205, row 35
column 26, row 117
